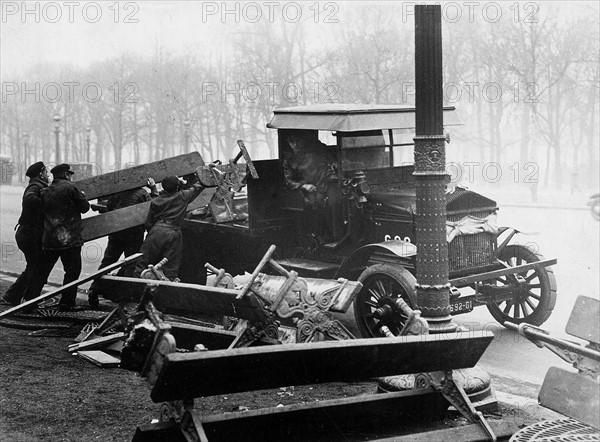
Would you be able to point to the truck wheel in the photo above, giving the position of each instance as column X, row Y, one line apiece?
column 533, row 302
column 374, row 307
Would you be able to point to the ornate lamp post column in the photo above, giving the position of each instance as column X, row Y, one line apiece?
column 56, row 134
column 433, row 289
column 88, row 131
column 25, row 148
column 186, row 134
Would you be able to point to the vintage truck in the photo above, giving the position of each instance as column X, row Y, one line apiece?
column 368, row 233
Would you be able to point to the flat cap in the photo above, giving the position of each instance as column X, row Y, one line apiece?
column 62, row 168
column 35, row 169
column 170, row 183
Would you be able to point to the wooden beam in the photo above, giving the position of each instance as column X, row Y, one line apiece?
column 117, row 220
column 133, row 177
column 330, row 419
column 97, row 342
column 76, row 283
column 178, row 297
column 247, row 369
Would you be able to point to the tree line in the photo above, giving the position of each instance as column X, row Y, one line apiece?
column 527, row 91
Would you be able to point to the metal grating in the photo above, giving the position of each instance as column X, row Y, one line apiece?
column 468, row 251
column 558, row 430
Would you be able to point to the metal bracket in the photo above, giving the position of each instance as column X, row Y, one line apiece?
column 443, row 383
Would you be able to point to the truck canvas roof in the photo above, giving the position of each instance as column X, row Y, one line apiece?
column 351, row 117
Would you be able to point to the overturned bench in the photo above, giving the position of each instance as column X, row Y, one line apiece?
column 177, row 379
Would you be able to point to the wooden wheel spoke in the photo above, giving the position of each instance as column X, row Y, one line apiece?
column 530, row 304
column 530, row 277
column 534, row 286
column 372, row 304
column 375, row 294
column 517, row 310
column 534, row 295
column 525, row 309
column 507, row 308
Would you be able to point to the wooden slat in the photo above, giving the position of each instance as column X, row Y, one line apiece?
column 133, row 177
column 247, row 369
column 178, row 297
column 188, row 335
column 98, row 342
column 584, row 321
column 571, row 394
column 75, row 283
column 99, row 358
column 121, row 219
column 331, row 419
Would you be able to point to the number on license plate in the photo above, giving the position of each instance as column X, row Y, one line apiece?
column 461, row 307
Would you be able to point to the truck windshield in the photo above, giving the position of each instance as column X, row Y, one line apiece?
column 376, row 149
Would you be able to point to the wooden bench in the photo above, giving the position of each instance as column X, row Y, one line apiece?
column 179, row 378
column 575, row 395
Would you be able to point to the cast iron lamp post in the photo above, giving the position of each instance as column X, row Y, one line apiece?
column 186, row 134
column 56, row 134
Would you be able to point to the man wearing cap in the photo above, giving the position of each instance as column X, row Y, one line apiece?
column 164, row 239
column 29, row 238
column 62, row 205
column 126, row 242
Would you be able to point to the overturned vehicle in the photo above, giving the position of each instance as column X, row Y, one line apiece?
column 362, row 226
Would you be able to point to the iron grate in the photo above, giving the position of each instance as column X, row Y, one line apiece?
column 558, row 430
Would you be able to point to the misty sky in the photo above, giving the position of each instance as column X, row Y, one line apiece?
column 80, row 33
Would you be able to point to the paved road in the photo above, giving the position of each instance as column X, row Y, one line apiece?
column 571, row 236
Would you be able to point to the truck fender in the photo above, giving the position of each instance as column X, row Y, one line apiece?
column 511, row 232
column 404, row 250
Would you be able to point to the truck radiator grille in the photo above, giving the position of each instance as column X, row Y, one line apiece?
column 468, row 251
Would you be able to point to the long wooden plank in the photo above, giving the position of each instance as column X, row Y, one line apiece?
column 102, row 341
column 331, row 419
column 121, row 219
column 75, row 283
column 132, row 177
column 247, row 369
column 460, row 282
column 571, row 394
column 178, row 297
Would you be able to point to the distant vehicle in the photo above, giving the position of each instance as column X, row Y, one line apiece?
column 594, row 204
column 7, row 170
column 370, row 235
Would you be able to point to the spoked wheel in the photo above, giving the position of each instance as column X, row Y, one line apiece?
column 374, row 305
column 534, row 290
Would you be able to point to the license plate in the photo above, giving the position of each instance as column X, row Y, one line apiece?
column 457, row 307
